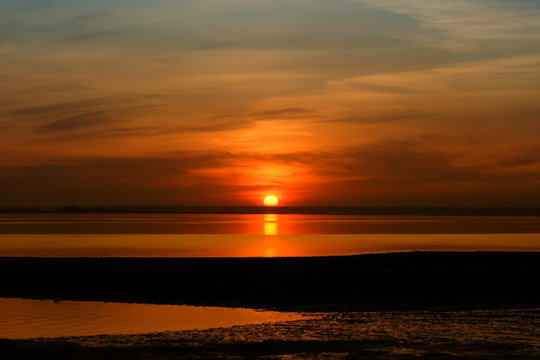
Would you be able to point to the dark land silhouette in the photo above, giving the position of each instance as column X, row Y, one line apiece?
column 381, row 306
column 365, row 282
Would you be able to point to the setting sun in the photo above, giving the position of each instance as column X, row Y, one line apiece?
column 271, row 201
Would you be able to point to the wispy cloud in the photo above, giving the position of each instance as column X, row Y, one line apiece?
column 287, row 112
column 496, row 75
column 82, row 115
column 91, row 35
column 466, row 24
column 76, row 122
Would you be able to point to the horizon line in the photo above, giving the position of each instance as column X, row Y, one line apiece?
column 259, row 209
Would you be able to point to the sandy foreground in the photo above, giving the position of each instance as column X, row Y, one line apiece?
column 388, row 306
column 466, row 334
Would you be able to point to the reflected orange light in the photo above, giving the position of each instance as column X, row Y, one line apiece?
column 22, row 318
column 272, row 246
column 271, row 201
column 270, row 224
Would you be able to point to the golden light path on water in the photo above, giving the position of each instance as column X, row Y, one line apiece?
column 231, row 245
column 262, row 235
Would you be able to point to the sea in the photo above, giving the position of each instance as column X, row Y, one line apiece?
column 258, row 235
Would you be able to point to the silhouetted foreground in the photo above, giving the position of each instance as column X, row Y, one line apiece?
column 378, row 281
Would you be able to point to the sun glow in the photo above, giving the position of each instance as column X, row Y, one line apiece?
column 271, row 201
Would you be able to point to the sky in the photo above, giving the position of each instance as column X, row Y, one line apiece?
column 222, row 102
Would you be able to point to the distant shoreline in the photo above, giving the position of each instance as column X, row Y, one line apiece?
column 440, row 211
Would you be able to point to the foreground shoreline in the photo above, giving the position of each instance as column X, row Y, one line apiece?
column 471, row 334
column 418, row 305
column 478, row 335
column 392, row 281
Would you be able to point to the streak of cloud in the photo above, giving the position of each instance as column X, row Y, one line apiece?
column 464, row 25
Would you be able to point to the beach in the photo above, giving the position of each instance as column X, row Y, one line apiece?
column 471, row 334
column 434, row 305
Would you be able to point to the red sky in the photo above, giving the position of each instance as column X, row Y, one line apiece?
column 357, row 103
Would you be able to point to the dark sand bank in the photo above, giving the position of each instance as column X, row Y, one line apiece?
column 380, row 281
column 480, row 305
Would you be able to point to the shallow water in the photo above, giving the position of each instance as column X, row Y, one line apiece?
column 23, row 318
column 240, row 235
column 443, row 334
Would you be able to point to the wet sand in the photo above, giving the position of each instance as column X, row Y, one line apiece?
column 469, row 334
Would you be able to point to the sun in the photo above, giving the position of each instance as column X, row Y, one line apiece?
column 271, row 201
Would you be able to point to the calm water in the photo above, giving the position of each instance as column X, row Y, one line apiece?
column 195, row 235
column 21, row 318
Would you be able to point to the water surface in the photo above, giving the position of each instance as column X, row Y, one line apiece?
column 22, row 318
column 257, row 224
column 241, row 235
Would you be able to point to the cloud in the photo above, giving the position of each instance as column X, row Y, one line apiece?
column 227, row 122
column 280, row 113
column 80, row 118
column 92, row 35
column 464, row 25
column 467, row 77
column 246, row 119
column 100, row 118
column 111, row 180
column 77, row 122
column 398, row 116
column 78, row 106
column 386, row 172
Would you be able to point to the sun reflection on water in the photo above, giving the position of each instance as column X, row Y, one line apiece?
column 224, row 235
column 270, row 224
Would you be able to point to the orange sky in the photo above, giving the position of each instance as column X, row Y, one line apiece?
column 348, row 102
